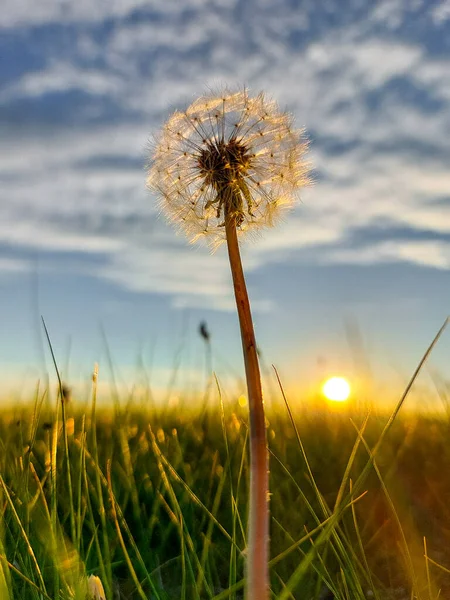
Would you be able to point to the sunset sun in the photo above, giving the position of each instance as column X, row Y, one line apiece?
column 336, row 389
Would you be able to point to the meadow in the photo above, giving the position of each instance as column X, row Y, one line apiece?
column 153, row 500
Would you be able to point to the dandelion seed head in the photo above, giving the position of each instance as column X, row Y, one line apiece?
column 227, row 153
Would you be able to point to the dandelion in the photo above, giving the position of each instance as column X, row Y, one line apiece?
column 95, row 588
column 227, row 165
column 228, row 153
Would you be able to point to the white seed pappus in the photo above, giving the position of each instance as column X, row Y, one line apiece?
column 227, row 151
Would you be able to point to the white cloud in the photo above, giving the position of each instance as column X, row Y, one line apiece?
column 42, row 236
column 63, row 77
column 61, row 192
column 441, row 12
column 13, row 265
column 19, row 13
column 389, row 12
column 428, row 253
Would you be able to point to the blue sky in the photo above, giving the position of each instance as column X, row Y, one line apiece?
column 84, row 85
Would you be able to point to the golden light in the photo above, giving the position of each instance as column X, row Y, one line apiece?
column 336, row 389
column 242, row 400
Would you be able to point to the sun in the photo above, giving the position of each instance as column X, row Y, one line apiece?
column 336, row 389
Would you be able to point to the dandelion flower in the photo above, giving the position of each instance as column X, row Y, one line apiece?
column 227, row 152
column 226, row 165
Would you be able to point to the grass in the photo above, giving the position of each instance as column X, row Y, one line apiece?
column 154, row 502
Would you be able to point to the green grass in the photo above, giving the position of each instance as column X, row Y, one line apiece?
column 154, row 502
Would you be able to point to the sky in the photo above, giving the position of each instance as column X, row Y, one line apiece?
column 356, row 277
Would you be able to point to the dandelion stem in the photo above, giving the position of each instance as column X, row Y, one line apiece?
column 258, row 523
column 233, row 157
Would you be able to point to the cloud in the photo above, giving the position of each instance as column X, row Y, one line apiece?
column 428, row 253
column 374, row 99
column 441, row 12
column 13, row 265
column 24, row 13
column 63, row 77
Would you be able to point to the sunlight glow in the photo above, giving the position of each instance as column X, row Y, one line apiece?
column 336, row 389
column 242, row 400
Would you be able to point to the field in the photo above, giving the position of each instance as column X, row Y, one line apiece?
column 153, row 500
